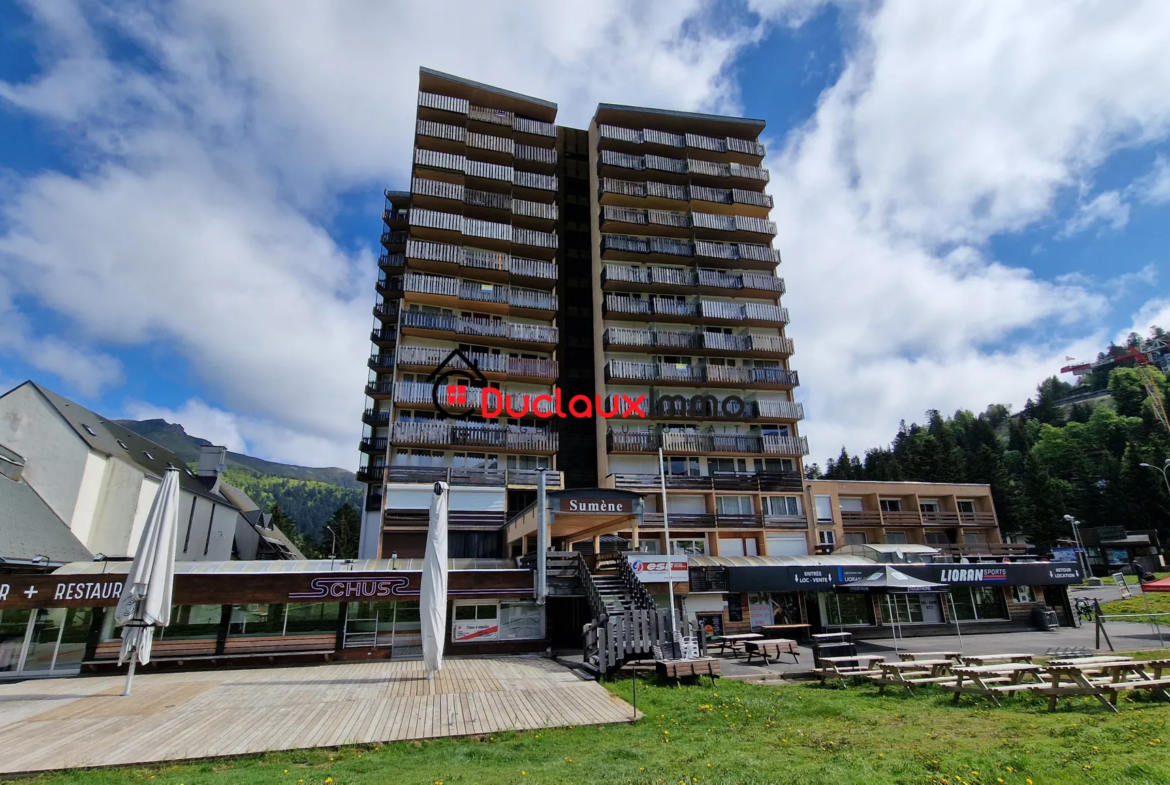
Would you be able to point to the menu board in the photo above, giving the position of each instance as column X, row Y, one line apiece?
column 708, row 579
column 735, row 607
column 712, row 623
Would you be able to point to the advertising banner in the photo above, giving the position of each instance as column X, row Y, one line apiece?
column 658, row 569
column 476, row 630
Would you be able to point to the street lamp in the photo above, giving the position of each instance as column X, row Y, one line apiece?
column 1080, row 545
column 1163, row 470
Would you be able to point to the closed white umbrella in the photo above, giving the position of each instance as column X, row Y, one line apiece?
column 432, row 606
column 145, row 602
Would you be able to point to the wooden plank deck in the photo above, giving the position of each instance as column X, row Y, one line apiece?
column 85, row 722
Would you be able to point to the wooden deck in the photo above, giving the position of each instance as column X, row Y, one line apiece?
column 85, row 722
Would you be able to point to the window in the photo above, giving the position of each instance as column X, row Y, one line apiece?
column 528, row 462
column 726, row 465
column 826, row 537
column 824, row 506
column 736, row 546
column 855, row 538
column 973, row 538
column 845, row 609
column 937, row 538
column 774, row 465
column 123, row 445
column 519, row 620
column 682, row 465
column 890, row 505
column 774, row 430
column 1022, row 594
column 896, row 538
column 928, row 505
column 475, row 621
column 978, row 603
column 688, row 547
column 734, row 505
column 88, row 430
column 476, row 460
column 966, row 506
column 149, row 457
column 850, row 504
column 783, row 505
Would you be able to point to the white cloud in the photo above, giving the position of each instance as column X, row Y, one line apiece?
column 946, row 128
column 198, row 419
column 1106, row 208
column 1154, row 186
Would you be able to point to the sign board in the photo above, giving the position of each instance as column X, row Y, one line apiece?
column 712, row 623
column 1119, row 577
column 1111, row 533
column 1064, row 554
column 475, row 630
column 760, row 614
column 734, row 607
column 826, row 578
column 708, row 579
column 597, row 506
column 658, row 569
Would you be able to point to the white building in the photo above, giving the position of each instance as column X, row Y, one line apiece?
column 100, row 479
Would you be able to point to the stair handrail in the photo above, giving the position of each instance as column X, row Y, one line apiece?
column 596, row 605
column 641, row 596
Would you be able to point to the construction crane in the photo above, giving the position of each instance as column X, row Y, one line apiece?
column 1153, row 391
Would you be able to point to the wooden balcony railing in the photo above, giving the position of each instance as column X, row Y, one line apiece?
column 861, row 518
column 731, row 481
column 426, row 475
column 703, row 443
column 486, row 436
column 633, row 370
column 653, row 520
column 484, row 328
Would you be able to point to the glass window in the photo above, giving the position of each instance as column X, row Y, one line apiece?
column 850, row 503
column 682, row 465
column 827, row 537
column 13, row 625
column 824, row 505
column 966, row 506
column 478, row 611
column 937, row 538
column 845, row 609
column 928, row 505
column 907, row 608
column 1022, row 594
column 783, row 505
column 188, row 622
column 975, row 603
column 855, row 538
column 316, row 618
column 256, row 619
column 896, row 538
column 688, row 547
column 890, row 505
column 973, row 538
column 734, row 505
column 519, row 620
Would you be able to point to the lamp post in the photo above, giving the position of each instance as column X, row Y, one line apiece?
column 1080, row 545
column 1164, row 470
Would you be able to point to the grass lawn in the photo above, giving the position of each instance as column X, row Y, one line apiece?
column 1159, row 602
column 732, row 732
column 1132, row 580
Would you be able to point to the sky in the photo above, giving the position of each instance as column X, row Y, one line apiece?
column 190, row 192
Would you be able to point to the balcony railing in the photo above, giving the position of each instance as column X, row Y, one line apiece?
column 779, row 410
column 496, row 144
column 376, row 417
column 544, row 155
column 494, row 116
column 650, row 136
column 393, row 238
column 535, row 209
column 670, row 339
column 704, row 443
column 380, row 388
column 543, row 182
column 373, row 444
column 444, row 102
column 701, row 248
column 388, row 261
column 454, row 133
column 426, row 475
column 635, row 371
column 485, row 328
column 381, row 360
column 487, row 436
column 387, row 334
column 484, row 260
column 707, row 309
column 534, row 127
column 737, row 481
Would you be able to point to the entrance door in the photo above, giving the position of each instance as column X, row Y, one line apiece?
column 931, row 610
column 53, row 641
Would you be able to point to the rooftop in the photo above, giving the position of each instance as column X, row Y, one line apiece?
column 29, row 529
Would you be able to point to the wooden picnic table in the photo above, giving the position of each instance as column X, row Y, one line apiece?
column 1095, row 660
column 773, row 648
column 835, row 668
column 991, row 659
column 779, row 629
column 994, row 680
column 687, row 669
column 736, row 642
column 911, row 656
column 1116, row 676
column 915, row 672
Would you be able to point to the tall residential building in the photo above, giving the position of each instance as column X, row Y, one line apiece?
column 631, row 259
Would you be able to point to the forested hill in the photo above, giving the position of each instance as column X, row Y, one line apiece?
column 1043, row 463
column 307, row 495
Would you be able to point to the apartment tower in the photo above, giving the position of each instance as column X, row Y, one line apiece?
column 630, row 259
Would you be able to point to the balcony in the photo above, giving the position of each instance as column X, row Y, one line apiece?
column 704, row 443
column 392, row 262
column 380, row 391
column 699, row 342
column 482, row 230
column 386, row 311
column 620, row 247
column 474, row 435
column 861, row 518
column 442, row 257
column 499, row 478
column 491, row 365
column 706, row 375
column 381, row 362
column 656, row 278
column 767, row 482
column 653, row 520
column 371, row 474
column 489, row 331
column 384, row 337
column 670, row 407
column 723, row 201
column 393, row 241
column 374, row 444
column 610, row 135
column 436, row 193
column 376, row 417
column 611, row 162
column 712, row 311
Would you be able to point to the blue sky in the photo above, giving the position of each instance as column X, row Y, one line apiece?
column 190, row 192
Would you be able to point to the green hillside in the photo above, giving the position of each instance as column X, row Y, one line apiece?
column 306, row 495
column 177, row 440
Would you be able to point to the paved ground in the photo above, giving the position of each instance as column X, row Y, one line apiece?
column 83, row 722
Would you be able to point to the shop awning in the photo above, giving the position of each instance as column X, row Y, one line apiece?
column 889, row 580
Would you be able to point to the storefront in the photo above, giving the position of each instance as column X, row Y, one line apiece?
column 62, row 622
column 984, row 597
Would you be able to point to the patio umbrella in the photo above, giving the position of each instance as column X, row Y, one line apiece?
column 887, row 580
column 145, row 601
column 432, row 606
column 1162, row 584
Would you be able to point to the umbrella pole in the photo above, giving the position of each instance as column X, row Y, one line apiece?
column 130, row 674
column 894, row 620
column 955, row 616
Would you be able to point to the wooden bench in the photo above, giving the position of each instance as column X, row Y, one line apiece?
column 264, row 644
column 688, row 669
column 838, row 667
column 911, row 673
column 772, row 649
column 912, row 656
column 995, row 659
column 991, row 681
column 161, row 648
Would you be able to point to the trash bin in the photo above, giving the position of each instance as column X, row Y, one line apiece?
column 1045, row 619
column 837, row 644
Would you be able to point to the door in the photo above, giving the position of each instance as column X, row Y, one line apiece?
column 54, row 642
column 931, row 610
